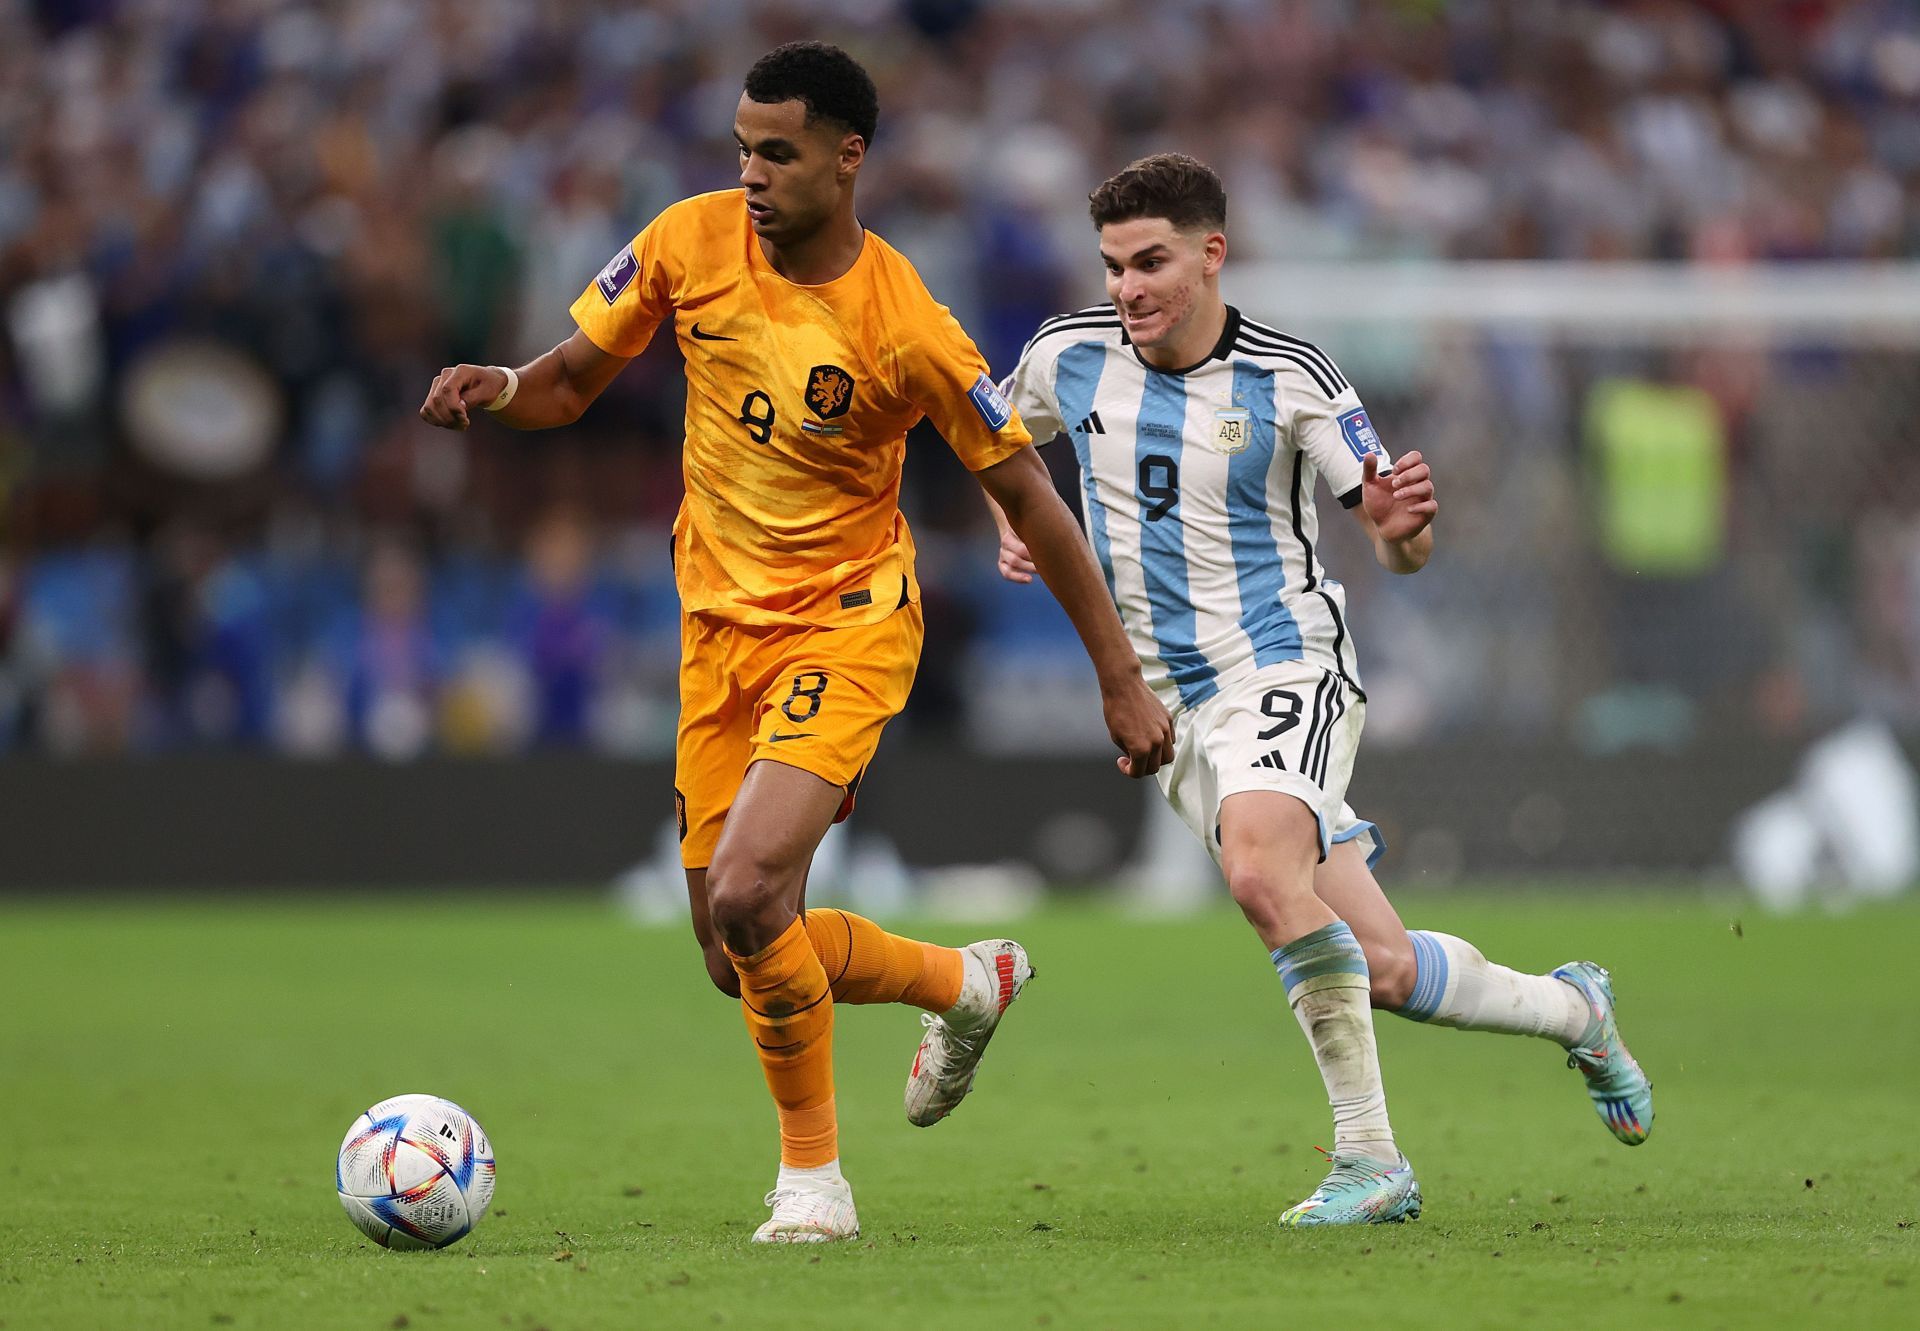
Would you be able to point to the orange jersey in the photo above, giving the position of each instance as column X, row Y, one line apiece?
column 799, row 399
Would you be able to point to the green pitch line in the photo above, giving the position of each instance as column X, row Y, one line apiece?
column 175, row 1079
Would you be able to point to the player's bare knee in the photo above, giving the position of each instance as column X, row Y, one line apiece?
column 1258, row 891
column 1391, row 969
column 745, row 900
column 735, row 901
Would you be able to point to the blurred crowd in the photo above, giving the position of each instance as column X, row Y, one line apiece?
column 237, row 238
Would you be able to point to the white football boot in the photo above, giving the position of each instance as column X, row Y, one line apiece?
column 809, row 1211
column 995, row 971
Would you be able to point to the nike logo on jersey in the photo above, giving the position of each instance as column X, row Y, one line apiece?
column 711, row 337
column 776, row 736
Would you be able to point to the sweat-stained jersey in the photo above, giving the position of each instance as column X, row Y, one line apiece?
column 1199, row 492
column 799, row 399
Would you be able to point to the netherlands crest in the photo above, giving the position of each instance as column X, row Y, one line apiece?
column 829, row 391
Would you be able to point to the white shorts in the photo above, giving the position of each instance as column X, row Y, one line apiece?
column 1291, row 728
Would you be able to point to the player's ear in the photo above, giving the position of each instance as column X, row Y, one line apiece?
column 1213, row 253
column 853, row 151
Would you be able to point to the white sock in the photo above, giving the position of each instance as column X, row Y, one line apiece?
column 815, row 1176
column 1455, row 985
column 1325, row 973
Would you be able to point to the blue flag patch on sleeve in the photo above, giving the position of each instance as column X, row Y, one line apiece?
column 992, row 405
column 617, row 275
column 1360, row 435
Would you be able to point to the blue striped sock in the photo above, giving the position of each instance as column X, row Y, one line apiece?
column 1429, row 976
column 1328, row 958
column 1455, row 985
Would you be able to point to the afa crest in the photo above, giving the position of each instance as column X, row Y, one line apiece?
column 1232, row 429
column 829, row 391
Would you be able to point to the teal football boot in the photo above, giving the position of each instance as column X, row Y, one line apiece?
column 1359, row 1191
column 1622, row 1095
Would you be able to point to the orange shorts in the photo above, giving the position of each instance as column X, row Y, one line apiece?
column 811, row 698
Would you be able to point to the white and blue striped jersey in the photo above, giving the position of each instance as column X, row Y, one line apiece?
column 1198, row 490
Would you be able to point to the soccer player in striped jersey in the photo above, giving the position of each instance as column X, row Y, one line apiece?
column 1200, row 436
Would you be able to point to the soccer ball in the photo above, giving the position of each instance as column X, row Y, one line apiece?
column 415, row 1172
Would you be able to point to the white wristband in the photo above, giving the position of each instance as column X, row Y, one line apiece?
column 506, row 394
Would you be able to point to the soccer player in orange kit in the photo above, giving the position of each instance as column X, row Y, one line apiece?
column 811, row 347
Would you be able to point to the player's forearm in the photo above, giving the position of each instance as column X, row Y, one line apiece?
column 1407, row 556
column 549, row 390
column 546, row 397
column 998, row 513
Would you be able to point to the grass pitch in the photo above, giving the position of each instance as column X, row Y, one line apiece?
column 174, row 1081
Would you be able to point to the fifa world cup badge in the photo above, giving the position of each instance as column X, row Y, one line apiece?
column 1232, row 429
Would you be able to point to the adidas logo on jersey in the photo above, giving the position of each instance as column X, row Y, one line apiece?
column 1092, row 425
column 1270, row 759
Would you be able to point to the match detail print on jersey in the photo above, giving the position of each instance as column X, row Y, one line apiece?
column 986, row 399
column 1360, row 434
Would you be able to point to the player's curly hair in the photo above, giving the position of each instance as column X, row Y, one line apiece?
column 1182, row 189
column 830, row 82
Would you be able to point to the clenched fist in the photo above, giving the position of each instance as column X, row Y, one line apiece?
column 456, row 390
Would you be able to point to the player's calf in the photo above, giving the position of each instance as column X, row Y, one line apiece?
column 1347, row 885
column 719, row 965
column 720, row 969
column 1390, row 969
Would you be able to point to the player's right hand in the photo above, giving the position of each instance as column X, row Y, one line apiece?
column 1140, row 727
column 1016, row 561
column 457, row 388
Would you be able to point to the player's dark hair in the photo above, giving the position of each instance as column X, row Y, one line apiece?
column 1182, row 189
column 830, row 82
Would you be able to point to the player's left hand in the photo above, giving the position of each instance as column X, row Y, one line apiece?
column 1400, row 502
column 1139, row 724
column 1016, row 561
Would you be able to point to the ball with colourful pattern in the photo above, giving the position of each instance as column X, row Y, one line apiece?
column 415, row 1171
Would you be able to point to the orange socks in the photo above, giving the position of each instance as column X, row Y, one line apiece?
column 866, row 964
column 788, row 991
column 789, row 1010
